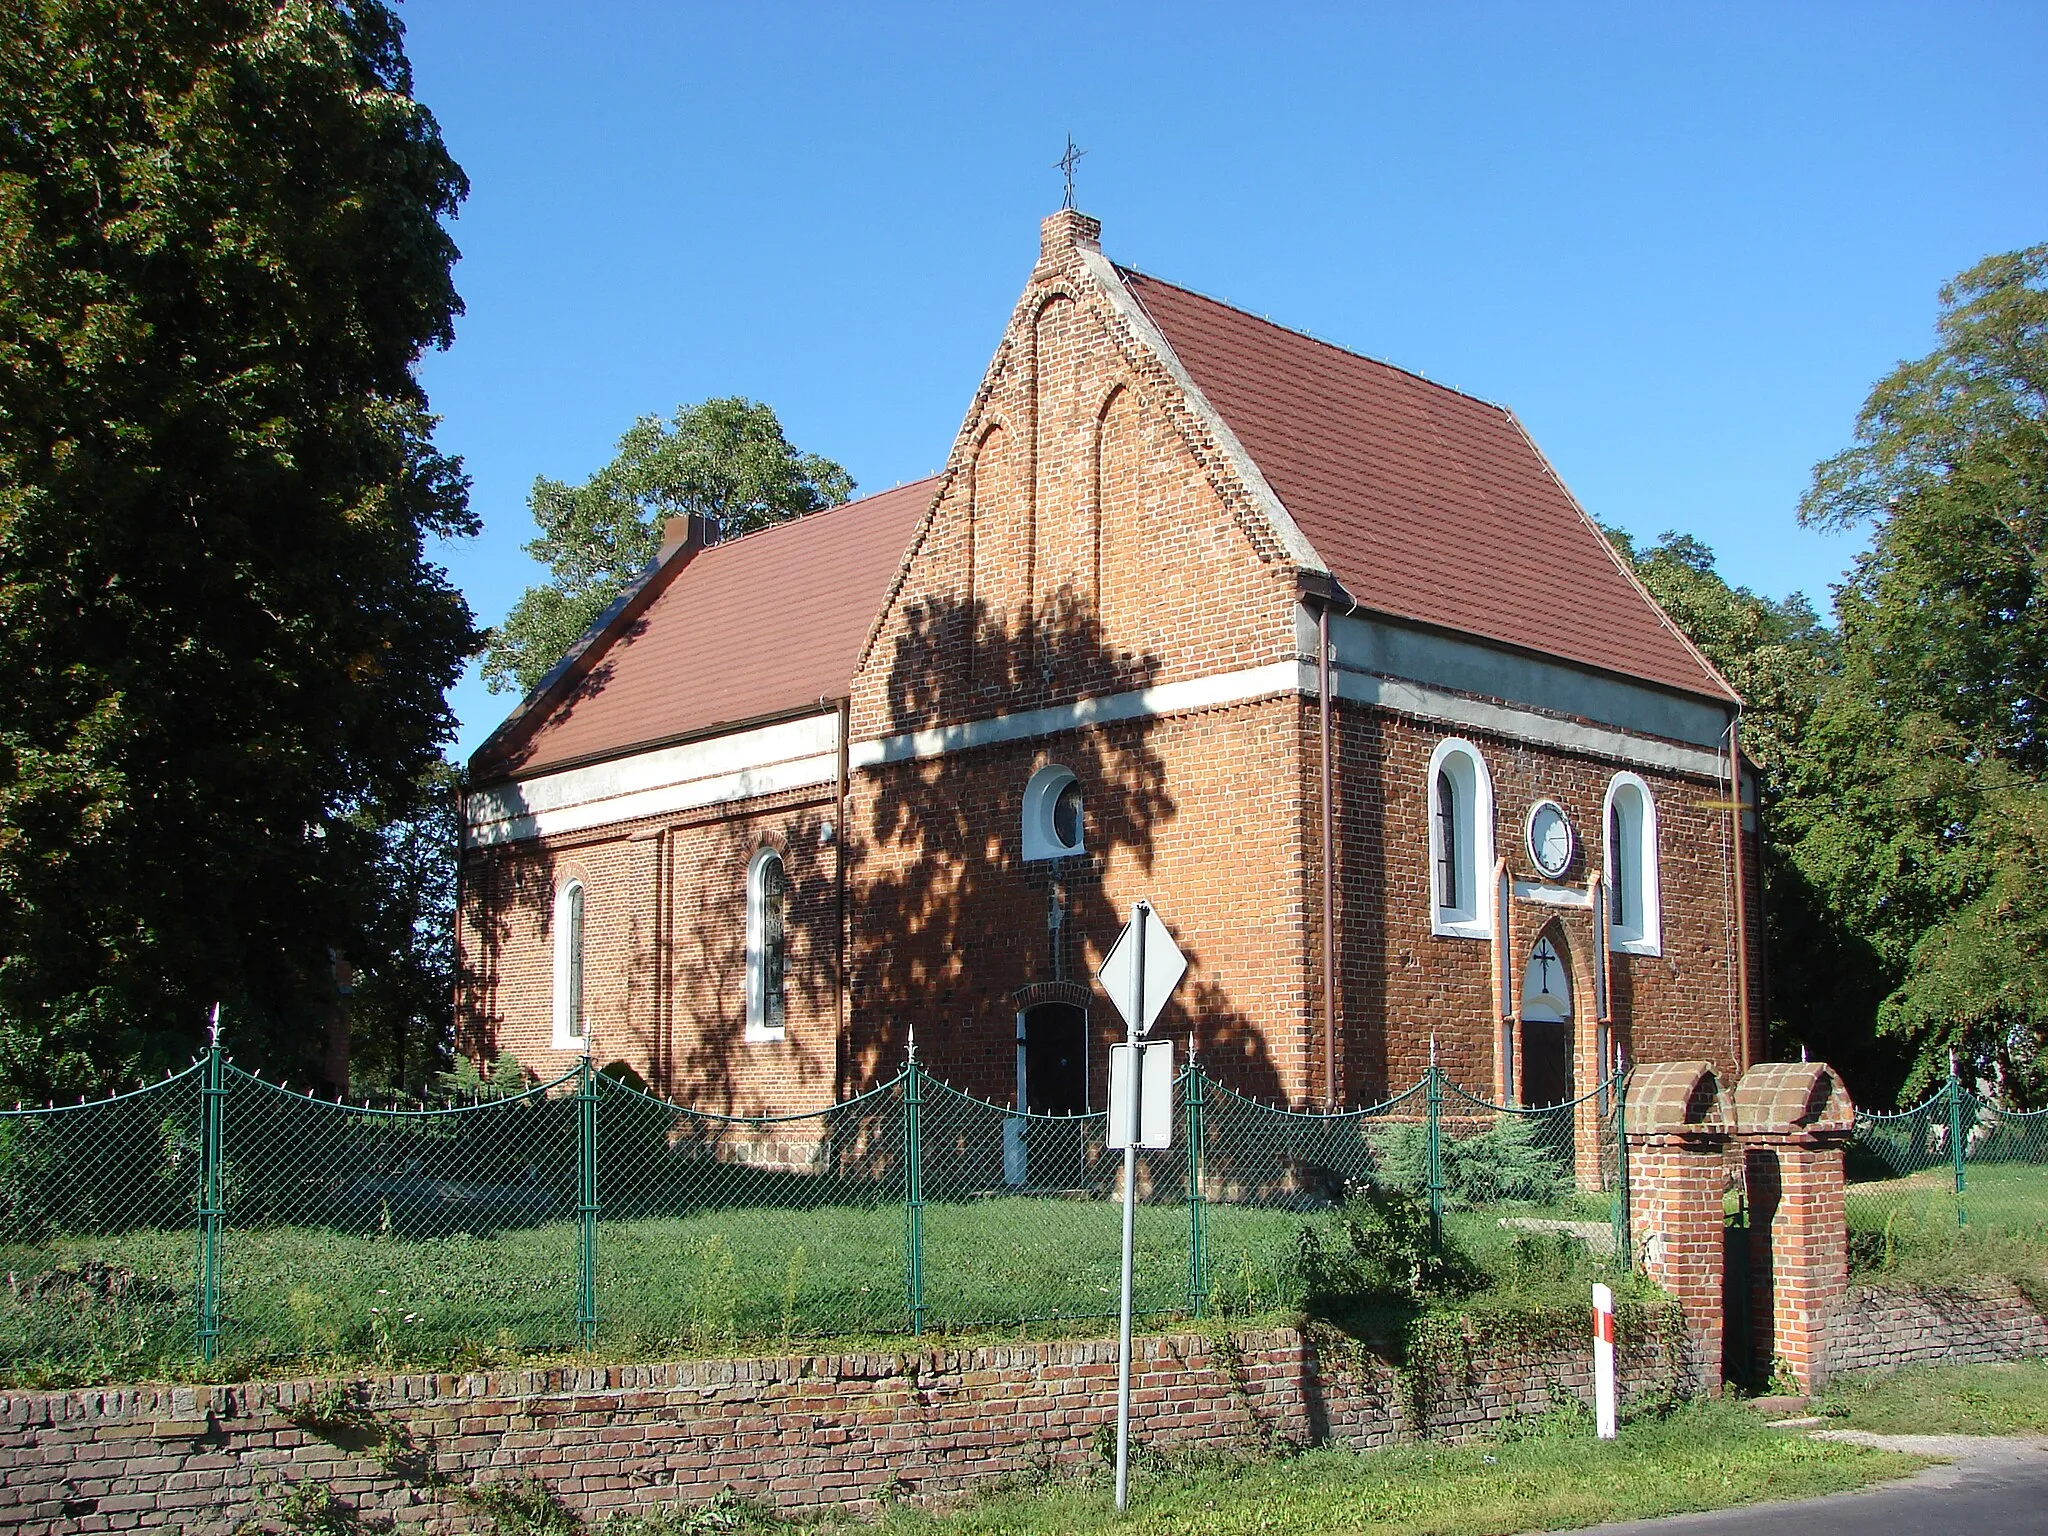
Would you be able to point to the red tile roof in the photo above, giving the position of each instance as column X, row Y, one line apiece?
column 1425, row 503
column 766, row 624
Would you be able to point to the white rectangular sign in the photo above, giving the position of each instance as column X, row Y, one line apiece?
column 1155, row 1095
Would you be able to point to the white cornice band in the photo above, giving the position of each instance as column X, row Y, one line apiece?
column 1210, row 692
column 791, row 754
column 803, row 753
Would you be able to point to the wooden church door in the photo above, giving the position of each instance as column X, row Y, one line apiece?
column 1055, row 1050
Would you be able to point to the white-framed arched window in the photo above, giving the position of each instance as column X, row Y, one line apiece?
column 1460, row 841
column 1054, row 827
column 767, row 945
column 572, row 1031
column 1629, row 869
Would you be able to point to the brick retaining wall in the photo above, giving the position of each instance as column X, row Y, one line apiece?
column 1970, row 1323
column 792, row 1432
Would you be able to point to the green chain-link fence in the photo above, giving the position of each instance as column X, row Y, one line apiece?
column 1932, row 1179
column 222, row 1218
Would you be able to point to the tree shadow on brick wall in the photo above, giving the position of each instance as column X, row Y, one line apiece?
column 496, row 884
column 707, row 1062
column 949, row 920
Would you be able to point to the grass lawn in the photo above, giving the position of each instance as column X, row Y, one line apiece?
column 1905, row 1231
column 750, row 1277
column 1554, row 1476
column 2010, row 1399
column 2004, row 1197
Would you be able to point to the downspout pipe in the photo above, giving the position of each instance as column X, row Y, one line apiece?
column 1744, row 1053
column 839, row 880
column 1329, row 850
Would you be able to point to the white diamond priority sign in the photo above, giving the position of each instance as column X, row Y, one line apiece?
column 1164, row 967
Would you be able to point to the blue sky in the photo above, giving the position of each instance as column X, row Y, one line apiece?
column 1681, row 242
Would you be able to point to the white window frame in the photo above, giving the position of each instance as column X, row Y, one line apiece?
column 758, row 1027
column 1473, row 920
column 1644, row 936
column 571, row 994
column 1041, row 799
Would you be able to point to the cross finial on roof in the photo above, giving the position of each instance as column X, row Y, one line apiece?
column 1066, row 163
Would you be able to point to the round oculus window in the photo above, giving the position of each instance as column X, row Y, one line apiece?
column 1550, row 838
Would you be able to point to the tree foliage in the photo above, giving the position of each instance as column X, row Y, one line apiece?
column 1825, row 979
column 402, row 1004
column 223, row 643
column 1923, row 817
column 726, row 459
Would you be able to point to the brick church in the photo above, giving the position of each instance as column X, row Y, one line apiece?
column 1319, row 656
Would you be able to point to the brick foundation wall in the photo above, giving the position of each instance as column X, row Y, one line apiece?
column 1975, row 1323
column 794, row 1432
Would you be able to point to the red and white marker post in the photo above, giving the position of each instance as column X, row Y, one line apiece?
column 1603, row 1360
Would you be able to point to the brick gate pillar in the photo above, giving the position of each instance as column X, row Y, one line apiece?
column 1794, row 1120
column 1678, row 1136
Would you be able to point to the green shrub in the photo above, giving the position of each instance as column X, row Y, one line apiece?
column 1506, row 1161
column 1378, row 1252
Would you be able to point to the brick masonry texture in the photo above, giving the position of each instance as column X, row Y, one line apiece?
column 794, row 1432
column 1676, row 1182
column 1088, row 536
column 1977, row 1323
column 1401, row 982
column 1799, row 1250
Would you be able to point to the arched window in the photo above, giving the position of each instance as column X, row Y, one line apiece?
column 1460, row 842
column 767, row 944
column 1054, row 827
column 1634, row 918
column 571, row 1031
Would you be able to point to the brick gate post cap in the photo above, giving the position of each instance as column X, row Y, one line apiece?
column 1786, row 1097
column 1675, row 1096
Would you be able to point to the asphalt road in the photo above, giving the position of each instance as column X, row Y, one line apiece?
column 1992, row 1488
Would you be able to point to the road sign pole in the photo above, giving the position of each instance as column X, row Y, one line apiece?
column 1134, row 1082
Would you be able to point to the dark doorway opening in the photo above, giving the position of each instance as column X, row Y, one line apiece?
column 1056, row 1059
column 1547, row 1022
column 1546, row 1062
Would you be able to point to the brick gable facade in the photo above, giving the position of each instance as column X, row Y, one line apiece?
column 1102, row 580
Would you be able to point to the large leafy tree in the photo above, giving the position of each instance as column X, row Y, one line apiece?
column 727, row 459
column 402, row 1001
column 1923, row 815
column 223, row 642
column 1825, row 978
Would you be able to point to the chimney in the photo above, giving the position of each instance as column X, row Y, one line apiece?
column 1063, row 231
column 687, row 532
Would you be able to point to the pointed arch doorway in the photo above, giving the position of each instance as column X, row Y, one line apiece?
column 1546, row 1054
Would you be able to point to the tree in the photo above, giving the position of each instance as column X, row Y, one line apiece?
column 402, row 1003
column 726, row 459
column 1825, row 979
column 223, row 644
column 1926, row 819
column 1774, row 652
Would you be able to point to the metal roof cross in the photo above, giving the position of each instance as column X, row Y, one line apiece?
column 1066, row 163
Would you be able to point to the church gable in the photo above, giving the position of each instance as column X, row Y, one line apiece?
column 1089, row 537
